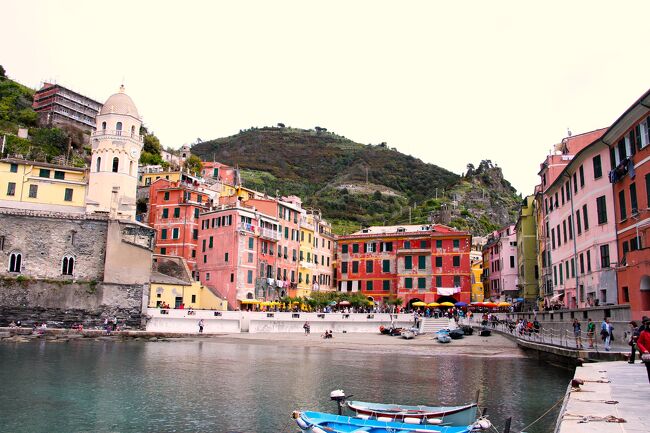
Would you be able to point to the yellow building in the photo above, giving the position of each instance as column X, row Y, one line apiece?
column 477, row 283
column 147, row 178
column 42, row 186
column 306, row 265
column 171, row 284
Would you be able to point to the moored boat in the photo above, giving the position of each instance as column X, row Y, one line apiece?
column 447, row 415
column 443, row 336
column 318, row 422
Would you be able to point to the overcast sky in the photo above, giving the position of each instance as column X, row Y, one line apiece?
column 447, row 82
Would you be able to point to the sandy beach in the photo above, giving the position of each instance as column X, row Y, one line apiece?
column 424, row 345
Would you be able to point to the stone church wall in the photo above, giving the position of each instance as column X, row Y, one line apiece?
column 44, row 238
column 63, row 304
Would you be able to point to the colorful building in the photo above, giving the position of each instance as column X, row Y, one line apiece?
column 42, row 186
column 306, row 268
column 526, row 235
column 416, row 263
column 628, row 140
column 171, row 284
column 174, row 209
column 477, row 284
column 323, row 253
column 580, row 222
column 500, row 271
column 219, row 172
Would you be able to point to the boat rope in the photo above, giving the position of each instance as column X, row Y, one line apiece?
column 590, row 418
column 543, row 415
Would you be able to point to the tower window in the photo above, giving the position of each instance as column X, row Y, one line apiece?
column 132, row 130
column 15, row 262
column 99, row 162
column 67, row 266
column 116, row 164
column 118, row 128
column 104, row 126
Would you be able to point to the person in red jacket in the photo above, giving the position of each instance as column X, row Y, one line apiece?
column 643, row 343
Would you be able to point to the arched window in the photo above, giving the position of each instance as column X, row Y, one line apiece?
column 15, row 262
column 99, row 163
column 67, row 266
column 131, row 168
column 103, row 126
column 118, row 128
column 116, row 164
column 132, row 130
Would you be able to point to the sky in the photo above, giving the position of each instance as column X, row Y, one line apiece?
column 450, row 83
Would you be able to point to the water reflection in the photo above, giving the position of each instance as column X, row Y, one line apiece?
column 213, row 386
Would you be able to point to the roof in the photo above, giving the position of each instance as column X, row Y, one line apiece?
column 157, row 277
column 640, row 108
column 120, row 103
column 576, row 143
column 42, row 164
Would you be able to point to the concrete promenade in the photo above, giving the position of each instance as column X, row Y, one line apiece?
column 612, row 392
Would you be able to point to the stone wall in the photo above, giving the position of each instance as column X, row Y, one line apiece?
column 63, row 303
column 44, row 238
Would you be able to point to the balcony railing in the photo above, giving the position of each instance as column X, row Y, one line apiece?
column 117, row 133
column 269, row 234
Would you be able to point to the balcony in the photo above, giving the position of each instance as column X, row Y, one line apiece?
column 269, row 234
column 618, row 173
column 418, row 251
column 116, row 133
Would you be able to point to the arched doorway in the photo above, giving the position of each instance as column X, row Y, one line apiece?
column 442, row 299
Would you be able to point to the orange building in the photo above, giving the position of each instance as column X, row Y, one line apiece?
column 174, row 209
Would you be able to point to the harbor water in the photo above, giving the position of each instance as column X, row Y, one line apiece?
column 216, row 386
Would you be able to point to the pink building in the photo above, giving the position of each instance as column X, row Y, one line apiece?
column 500, row 271
column 580, row 224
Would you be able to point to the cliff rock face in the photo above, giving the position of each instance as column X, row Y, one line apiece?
column 357, row 185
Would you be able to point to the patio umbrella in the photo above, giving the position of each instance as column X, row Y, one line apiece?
column 344, row 303
column 504, row 304
column 461, row 304
column 433, row 304
column 250, row 301
column 446, row 304
column 490, row 305
column 332, row 303
column 419, row 304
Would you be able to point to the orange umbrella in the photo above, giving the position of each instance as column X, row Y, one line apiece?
column 489, row 304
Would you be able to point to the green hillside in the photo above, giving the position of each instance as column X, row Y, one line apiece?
column 357, row 185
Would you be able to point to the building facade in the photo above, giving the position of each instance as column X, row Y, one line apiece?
column 42, row 186
column 416, row 263
column 628, row 140
column 526, row 235
column 57, row 106
column 500, row 272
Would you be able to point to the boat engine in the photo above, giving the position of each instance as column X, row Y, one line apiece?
column 338, row 395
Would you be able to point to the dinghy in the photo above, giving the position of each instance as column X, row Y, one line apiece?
column 443, row 336
column 318, row 422
column 447, row 415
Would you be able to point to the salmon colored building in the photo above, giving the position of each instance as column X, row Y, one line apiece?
column 174, row 210
column 416, row 263
column 628, row 140
column 220, row 172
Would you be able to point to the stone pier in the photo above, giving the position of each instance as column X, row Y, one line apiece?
column 613, row 399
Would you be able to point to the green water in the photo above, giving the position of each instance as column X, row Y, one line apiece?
column 212, row 386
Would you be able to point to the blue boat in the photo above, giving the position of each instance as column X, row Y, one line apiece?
column 319, row 422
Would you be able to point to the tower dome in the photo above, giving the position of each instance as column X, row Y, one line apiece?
column 120, row 103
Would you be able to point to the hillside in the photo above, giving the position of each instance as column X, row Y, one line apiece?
column 357, row 185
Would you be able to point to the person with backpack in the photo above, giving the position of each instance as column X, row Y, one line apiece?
column 606, row 333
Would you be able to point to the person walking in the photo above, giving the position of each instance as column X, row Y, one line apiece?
column 606, row 333
column 591, row 331
column 643, row 342
column 306, row 328
column 577, row 333
column 635, row 336
column 201, row 326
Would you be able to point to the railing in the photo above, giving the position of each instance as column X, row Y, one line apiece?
column 117, row 133
column 269, row 234
column 554, row 337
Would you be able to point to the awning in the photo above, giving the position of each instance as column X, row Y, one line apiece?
column 447, row 291
column 556, row 297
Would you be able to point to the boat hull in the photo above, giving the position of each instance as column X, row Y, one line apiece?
column 448, row 415
column 319, row 422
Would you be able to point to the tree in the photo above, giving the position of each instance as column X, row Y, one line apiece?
column 152, row 144
column 193, row 164
column 280, row 125
column 3, row 73
column 377, row 195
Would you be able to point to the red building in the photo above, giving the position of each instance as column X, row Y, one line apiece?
column 629, row 142
column 219, row 172
column 174, row 209
column 427, row 263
